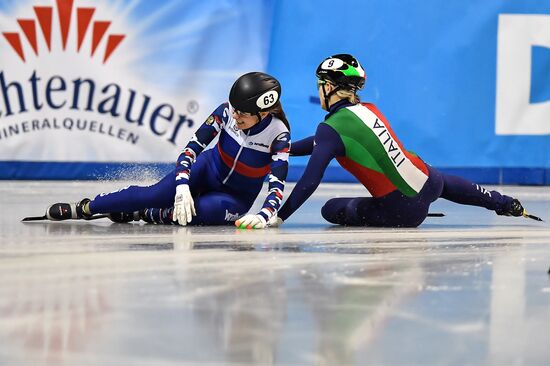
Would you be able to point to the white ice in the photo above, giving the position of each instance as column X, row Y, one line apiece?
column 471, row 288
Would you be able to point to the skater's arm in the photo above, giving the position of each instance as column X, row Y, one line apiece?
column 202, row 137
column 302, row 147
column 328, row 145
column 277, row 176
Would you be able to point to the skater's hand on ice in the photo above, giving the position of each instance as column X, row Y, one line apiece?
column 251, row 222
column 184, row 207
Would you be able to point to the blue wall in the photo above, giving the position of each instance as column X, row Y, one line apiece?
column 431, row 69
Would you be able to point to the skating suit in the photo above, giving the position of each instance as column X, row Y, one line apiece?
column 401, row 184
column 224, row 180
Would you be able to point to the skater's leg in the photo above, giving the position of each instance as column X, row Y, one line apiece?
column 123, row 205
column 213, row 208
column 158, row 216
column 159, row 195
column 219, row 208
column 462, row 191
column 204, row 175
column 334, row 210
column 392, row 210
column 134, row 198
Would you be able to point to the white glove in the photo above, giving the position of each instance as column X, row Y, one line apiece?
column 251, row 222
column 184, row 207
column 275, row 221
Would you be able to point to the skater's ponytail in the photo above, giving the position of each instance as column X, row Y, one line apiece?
column 278, row 112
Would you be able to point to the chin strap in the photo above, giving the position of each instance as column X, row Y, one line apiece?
column 326, row 96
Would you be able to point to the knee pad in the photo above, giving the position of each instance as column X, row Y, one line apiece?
column 334, row 213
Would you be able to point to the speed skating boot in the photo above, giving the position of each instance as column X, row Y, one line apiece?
column 515, row 209
column 66, row 211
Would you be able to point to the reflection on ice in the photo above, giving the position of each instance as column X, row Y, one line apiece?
column 456, row 290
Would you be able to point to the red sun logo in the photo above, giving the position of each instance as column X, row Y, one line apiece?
column 44, row 16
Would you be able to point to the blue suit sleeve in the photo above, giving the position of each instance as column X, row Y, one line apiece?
column 328, row 145
column 302, row 147
column 277, row 177
column 202, row 137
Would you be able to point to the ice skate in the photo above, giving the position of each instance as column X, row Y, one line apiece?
column 125, row 217
column 66, row 211
column 515, row 209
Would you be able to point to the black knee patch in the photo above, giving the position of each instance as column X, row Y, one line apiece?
column 333, row 214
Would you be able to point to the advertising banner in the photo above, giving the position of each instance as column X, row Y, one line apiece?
column 90, row 82
column 88, row 87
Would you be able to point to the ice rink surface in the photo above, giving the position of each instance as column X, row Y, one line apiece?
column 471, row 288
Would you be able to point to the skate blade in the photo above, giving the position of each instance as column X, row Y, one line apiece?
column 42, row 218
column 533, row 217
column 35, row 218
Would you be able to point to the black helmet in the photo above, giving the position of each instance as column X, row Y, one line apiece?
column 255, row 92
column 342, row 70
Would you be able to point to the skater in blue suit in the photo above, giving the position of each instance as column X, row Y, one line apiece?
column 215, row 186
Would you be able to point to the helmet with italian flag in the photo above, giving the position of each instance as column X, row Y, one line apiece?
column 342, row 70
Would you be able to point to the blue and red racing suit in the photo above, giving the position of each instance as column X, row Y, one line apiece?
column 224, row 180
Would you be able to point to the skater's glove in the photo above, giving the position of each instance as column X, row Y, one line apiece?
column 251, row 222
column 275, row 221
column 184, row 207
